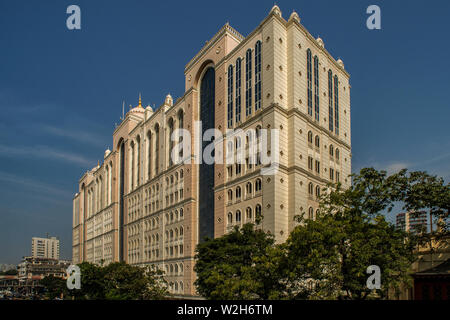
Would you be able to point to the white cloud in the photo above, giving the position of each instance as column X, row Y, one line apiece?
column 76, row 135
column 44, row 152
column 32, row 184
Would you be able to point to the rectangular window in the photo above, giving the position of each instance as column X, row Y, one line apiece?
column 309, row 79
column 230, row 96
column 238, row 90
column 316, row 88
column 248, row 83
column 258, row 76
column 330, row 101
column 336, row 104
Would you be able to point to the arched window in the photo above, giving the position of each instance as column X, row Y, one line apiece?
column 230, row 96
column 258, row 75
column 330, row 100
column 248, row 188
column 258, row 185
column 258, row 211
column 238, row 192
column 230, row 195
column 181, row 231
column 230, row 218
column 238, row 216
column 317, row 141
column 248, row 82
column 331, row 150
column 311, row 213
column 181, row 213
column 310, row 188
column 248, row 214
column 238, row 90
column 309, row 78
column 149, row 155
column 156, row 149
column 132, row 165
column 310, row 137
column 336, row 104
column 337, row 153
column 317, row 191
column 180, row 126
column 138, row 160
column 171, row 129
column 316, row 88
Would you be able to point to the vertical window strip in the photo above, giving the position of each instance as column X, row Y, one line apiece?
column 316, row 88
column 336, row 104
column 238, row 90
column 248, row 83
column 258, row 75
column 309, row 77
column 330, row 100
column 230, row 96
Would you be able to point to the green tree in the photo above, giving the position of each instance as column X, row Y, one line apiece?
column 239, row 265
column 120, row 281
column 126, row 282
column 54, row 287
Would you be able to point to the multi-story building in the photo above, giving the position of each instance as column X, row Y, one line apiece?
column 142, row 207
column 45, row 247
column 41, row 267
column 412, row 222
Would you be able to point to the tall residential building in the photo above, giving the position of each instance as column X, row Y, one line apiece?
column 412, row 222
column 142, row 207
column 45, row 247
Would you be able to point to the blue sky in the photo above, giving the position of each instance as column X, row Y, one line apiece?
column 61, row 91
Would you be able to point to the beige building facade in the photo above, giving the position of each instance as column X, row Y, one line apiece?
column 45, row 247
column 142, row 207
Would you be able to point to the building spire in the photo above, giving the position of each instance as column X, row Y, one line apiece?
column 140, row 100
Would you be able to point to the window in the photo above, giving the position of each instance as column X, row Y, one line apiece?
column 230, row 96
column 180, row 126
column 310, row 188
column 316, row 88
column 258, row 75
column 132, row 165
column 311, row 213
column 248, row 82
column 230, row 218
column 258, row 211
column 310, row 137
column 149, row 155
column 230, row 195
column 238, row 168
column 330, row 100
column 238, row 90
column 317, row 191
column 258, row 185
column 309, row 79
column 317, row 142
column 171, row 128
column 331, row 174
column 238, row 216
column 331, row 150
column 248, row 189
column 238, row 193
column 138, row 160
column 156, row 149
column 317, row 166
column 248, row 213
column 336, row 104
column 310, row 163
column 337, row 154
column 337, row 177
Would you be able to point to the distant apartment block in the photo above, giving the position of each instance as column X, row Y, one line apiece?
column 45, row 248
column 412, row 222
